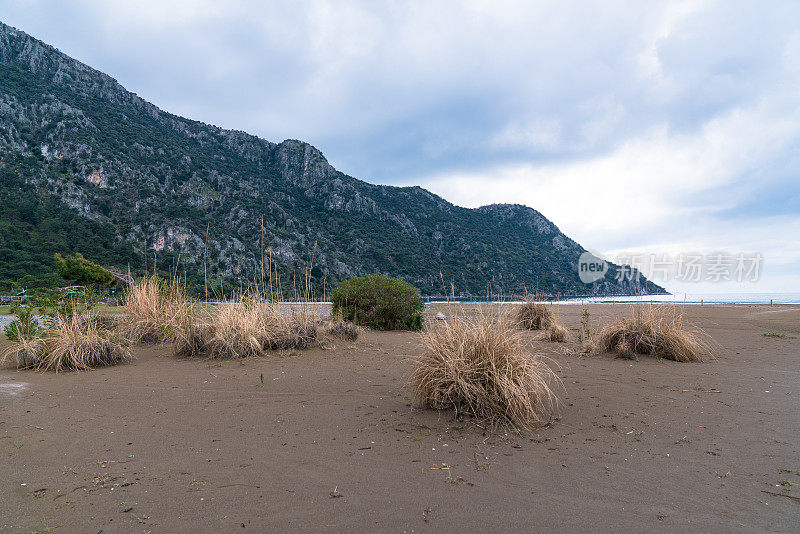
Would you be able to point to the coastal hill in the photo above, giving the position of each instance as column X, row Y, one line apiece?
column 87, row 166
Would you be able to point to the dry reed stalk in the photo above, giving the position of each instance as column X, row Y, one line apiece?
column 293, row 330
column 237, row 331
column 23, row 354
column 245, row 328
column 191, row 334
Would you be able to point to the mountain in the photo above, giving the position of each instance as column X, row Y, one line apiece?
column 87, row 166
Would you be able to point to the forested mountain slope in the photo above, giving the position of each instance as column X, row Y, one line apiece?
column 87, row 166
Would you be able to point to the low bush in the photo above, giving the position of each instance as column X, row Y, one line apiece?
column 191, row 339
column 480, row 367
column 25, row 353
column 655, row 331
column 24, row 327
column 379, row 302
column 292, row 331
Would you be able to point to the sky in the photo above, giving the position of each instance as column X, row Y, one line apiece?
column 642, row 129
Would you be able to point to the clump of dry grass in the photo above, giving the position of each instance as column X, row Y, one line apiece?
column 237, row 331
column 342, row 329
column 655, row 331
column 534, row 316
column 191, row 340
column 74, row 343
column 24, row 354
column 557, row 333
column 291, row 331
column 479, row 367
column 152, row 308
column 191, row 334
column 243, row 329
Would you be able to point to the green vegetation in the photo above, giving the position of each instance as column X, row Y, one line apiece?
column 773, row 334
column 33, row 228
column 82, row 271
column 379, row 302
column 50, row 305
column 24, row 327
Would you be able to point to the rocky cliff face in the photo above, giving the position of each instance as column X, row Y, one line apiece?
column 162, row 184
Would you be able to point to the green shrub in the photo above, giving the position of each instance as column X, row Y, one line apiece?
column 379, row 302
column 58, row 302
column 82, row 271
column 24, row 327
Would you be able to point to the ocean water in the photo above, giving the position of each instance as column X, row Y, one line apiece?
column 700, row 298
column 677, row 298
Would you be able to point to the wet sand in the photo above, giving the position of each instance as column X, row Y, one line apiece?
column 331, row 442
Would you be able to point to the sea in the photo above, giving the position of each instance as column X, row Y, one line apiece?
column 675, row 298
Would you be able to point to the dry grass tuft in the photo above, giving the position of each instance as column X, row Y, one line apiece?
column 479, row 366
column 343, row 330
column 191, row 336
column 291, row 331
column 655, row 331
column 243, row 329
column 534, row 316
column 74, row 343
column 24, row 354
column 237, row 331
column 557, row 333
column 153, row 307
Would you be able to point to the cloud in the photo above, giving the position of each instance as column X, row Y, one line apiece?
column 664, row 192
column 644, row 124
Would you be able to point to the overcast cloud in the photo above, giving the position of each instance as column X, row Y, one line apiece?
column 661, row 127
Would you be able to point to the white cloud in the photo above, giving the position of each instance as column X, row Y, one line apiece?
column 661, row 192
